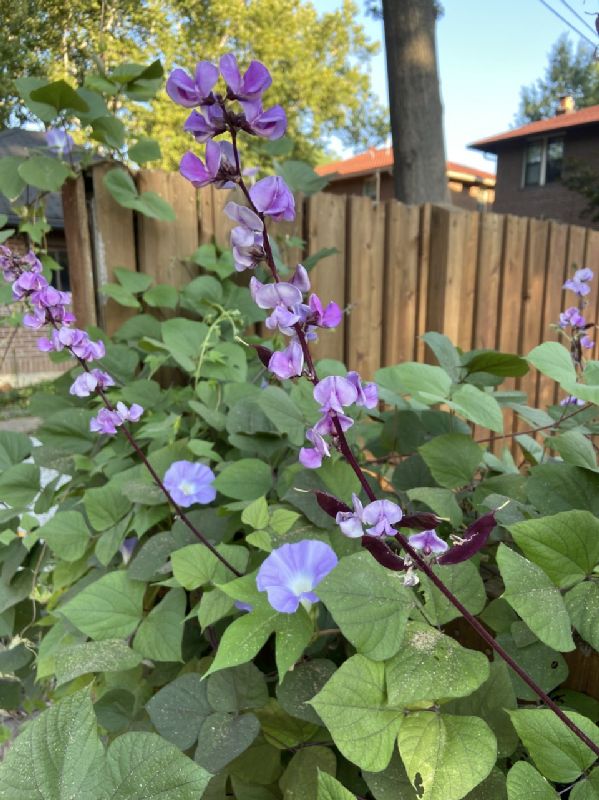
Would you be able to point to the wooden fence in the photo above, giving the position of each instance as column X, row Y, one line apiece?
column 486, row 280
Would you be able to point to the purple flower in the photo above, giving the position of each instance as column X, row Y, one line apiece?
column 290, row 574
column 270, row 295
column 587, row 342
column 88, row 382
column 272, row 196
column 578, row 284
column 105, row 421
column 428, row 542
column 270, row 124
column 350, row 522
column 381, row 515
column 311, row 457
column 220, row 166
column 300, row 278
column 334, row 392
column 127, row 548
column 326, row 423
column 187, row 91
column 132, row 414
column 255, row 81
column 27, row 283
column 247, row 238
column 242, row 606
column 571, row 316
column 329, row 317
column 189, row 483
column 570, row 400
column 59, row 141
column 368, row 395
column 77, row 341
column 206, row 125
column 287, row 363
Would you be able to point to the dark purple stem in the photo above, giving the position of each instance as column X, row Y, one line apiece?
column 381, row 555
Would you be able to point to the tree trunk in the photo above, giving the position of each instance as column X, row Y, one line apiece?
column 415, row 102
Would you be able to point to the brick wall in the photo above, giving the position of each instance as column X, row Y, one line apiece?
column 552, row 201
column 21, row 363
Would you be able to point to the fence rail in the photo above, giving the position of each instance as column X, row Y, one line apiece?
column 486, row 280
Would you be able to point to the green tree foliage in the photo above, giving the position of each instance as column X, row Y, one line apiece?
column 571, row 70
column 318, row 61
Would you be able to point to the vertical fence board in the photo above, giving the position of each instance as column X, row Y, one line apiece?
column 79, row 251
column 222, row 224
column 440, row 237
column 326, row 215
column 366, row 263
column 165, row 247
column 284, row 231
column 423, row 265
column 402, row 248
column 206, row 214
column 534, row 292
column 592, row 261
column 557, row 259
column 467, row 299
column 488, row 283
column 113, row 246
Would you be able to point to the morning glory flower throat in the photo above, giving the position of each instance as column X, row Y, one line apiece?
column 190, row 483
column 291, row 573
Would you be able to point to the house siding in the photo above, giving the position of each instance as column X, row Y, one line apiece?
column 552, row 201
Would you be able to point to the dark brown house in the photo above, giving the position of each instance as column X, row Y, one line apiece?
column 371, row 174
column 533, row 159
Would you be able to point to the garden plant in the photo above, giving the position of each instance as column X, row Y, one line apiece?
column 228, row 570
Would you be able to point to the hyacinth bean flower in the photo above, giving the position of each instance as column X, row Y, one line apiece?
column 269, row 124
column 190, row 483
column 132, row 414
column 106, row 422
column 187, row 91
column 88, row 382
column 579, row 283
column 27, row 283
column 273, row 197
column 571, row 316
column 570, row 400
column 287, row 363
column 375, row 519
column 291, row 573
column 219, row 169
column 587, row 342
column 311, row 457
column 334, row 392
column 328, row 317
column 59, row 141
column 204, row 126
column 428, row 542
column 300, row 278
column 255, row 81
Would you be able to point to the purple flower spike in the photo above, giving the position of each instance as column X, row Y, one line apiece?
column 571, row 316
column 270, row 295
column 190, row 483
column 428, row 542
column 287, row 363
column 334, row 392
column 350, row 522
column 290, row 574
column 88, row 382
column 584, row 274
column 368, row 395
column 381, row 515
column 59, row 141
column 272, row 196
column 255, row 81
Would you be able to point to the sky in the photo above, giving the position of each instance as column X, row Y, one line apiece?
column 487, row 50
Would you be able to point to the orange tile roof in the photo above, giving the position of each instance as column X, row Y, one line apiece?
column 375, row 159
column 585, row 116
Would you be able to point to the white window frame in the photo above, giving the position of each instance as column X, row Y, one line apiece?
column 544, row 142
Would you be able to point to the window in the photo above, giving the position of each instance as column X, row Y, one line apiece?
column 543, row 161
